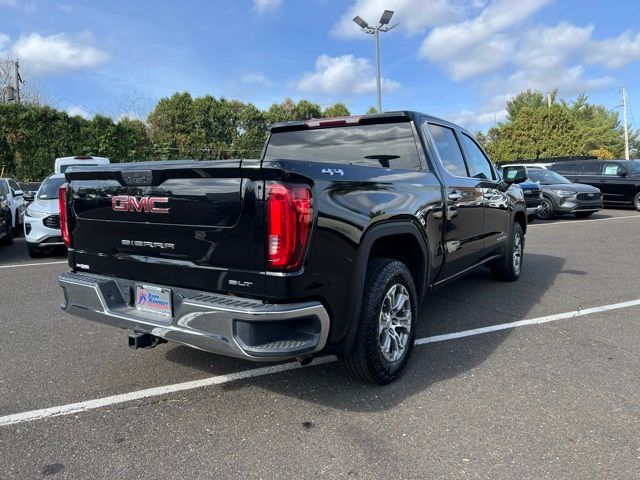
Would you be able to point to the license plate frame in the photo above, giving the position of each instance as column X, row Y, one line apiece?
column 154, row 300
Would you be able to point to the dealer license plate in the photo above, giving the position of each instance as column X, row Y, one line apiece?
column 154, row 300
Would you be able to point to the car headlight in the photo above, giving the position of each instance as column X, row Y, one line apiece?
column 35, row 214
column 563, row 193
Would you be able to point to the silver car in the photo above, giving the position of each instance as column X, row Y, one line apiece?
column 42, row 218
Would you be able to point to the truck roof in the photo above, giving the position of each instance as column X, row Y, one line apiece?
column 395, row 116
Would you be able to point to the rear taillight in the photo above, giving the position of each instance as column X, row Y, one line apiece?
column 64, row 225
column 289, row 217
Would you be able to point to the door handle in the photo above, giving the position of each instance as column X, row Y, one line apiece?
column 454, row 196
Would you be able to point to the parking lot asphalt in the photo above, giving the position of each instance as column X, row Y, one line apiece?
column 555, row 400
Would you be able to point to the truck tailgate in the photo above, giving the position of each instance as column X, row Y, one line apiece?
column 194, row 224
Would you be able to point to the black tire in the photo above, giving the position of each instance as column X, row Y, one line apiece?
column 547, row 210
column 33, row 251
column 18, row 226
column 636, row 201
column 8, row 237
column 583, row 214
column 367, row 361
column 508, row 269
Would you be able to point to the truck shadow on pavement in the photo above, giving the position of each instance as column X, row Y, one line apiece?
column 472, row 302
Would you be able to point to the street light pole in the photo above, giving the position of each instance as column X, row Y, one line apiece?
column 378, row 74
column 383, row 26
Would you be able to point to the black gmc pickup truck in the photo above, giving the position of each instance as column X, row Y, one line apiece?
column 327, row 243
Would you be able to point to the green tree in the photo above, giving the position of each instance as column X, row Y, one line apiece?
column 535, row 133
column 530, row 98
column 336, row 110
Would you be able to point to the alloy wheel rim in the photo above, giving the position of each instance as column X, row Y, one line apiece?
column 545, row 209
column 517, row 252
column 394, row 323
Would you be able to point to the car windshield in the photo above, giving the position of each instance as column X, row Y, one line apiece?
column 546, row 177
column 49, row 188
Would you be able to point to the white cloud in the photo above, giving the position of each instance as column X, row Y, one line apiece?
column 266, row 6
column 413, row 15
column 466, row 47
column 4, row 41
column 78, row 111
column 343, row 75
column 58, row 53
column 258, row 79
column 24, row 5
column 615, row 52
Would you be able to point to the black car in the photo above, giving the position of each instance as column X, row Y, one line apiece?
column 327, row 243
column 6, row 230
column 618, row 180
column 561, row 195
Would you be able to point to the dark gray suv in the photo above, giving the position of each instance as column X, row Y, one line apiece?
column 560, row 195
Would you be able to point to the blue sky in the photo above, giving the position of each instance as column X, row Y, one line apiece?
column 459, row 59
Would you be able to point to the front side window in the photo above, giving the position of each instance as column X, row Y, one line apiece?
column 612, row 169
column 13, row 185
column 478, row 163
column 449, row 150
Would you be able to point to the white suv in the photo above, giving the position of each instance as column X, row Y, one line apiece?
column 42, row 218
column 10, row 189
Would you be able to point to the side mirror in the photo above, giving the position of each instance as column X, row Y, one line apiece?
column 18, row 193
column 28, row 196
column 623, row 174
column 514, row 174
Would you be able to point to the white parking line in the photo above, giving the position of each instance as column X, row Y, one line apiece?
column 17, row 265
column 580, row 222
column 259, row 372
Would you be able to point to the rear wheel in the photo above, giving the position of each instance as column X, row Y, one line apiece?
column 510, row 266
column 546, row 212
column 387, row 324
column 583, row 214
column 636, row 201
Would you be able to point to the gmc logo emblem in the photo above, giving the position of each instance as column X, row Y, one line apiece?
column 129, row 203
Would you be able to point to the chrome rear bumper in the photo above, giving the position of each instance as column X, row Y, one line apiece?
column 222, row 324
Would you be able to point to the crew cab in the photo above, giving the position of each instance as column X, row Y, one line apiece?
column 328, row 243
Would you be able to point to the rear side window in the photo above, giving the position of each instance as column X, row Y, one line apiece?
column 389, row 145
column 591, row 168
column 478, row 163
column 449, row 150
column 569, row 168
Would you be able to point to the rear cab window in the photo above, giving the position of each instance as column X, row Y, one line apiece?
column 383, row 145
